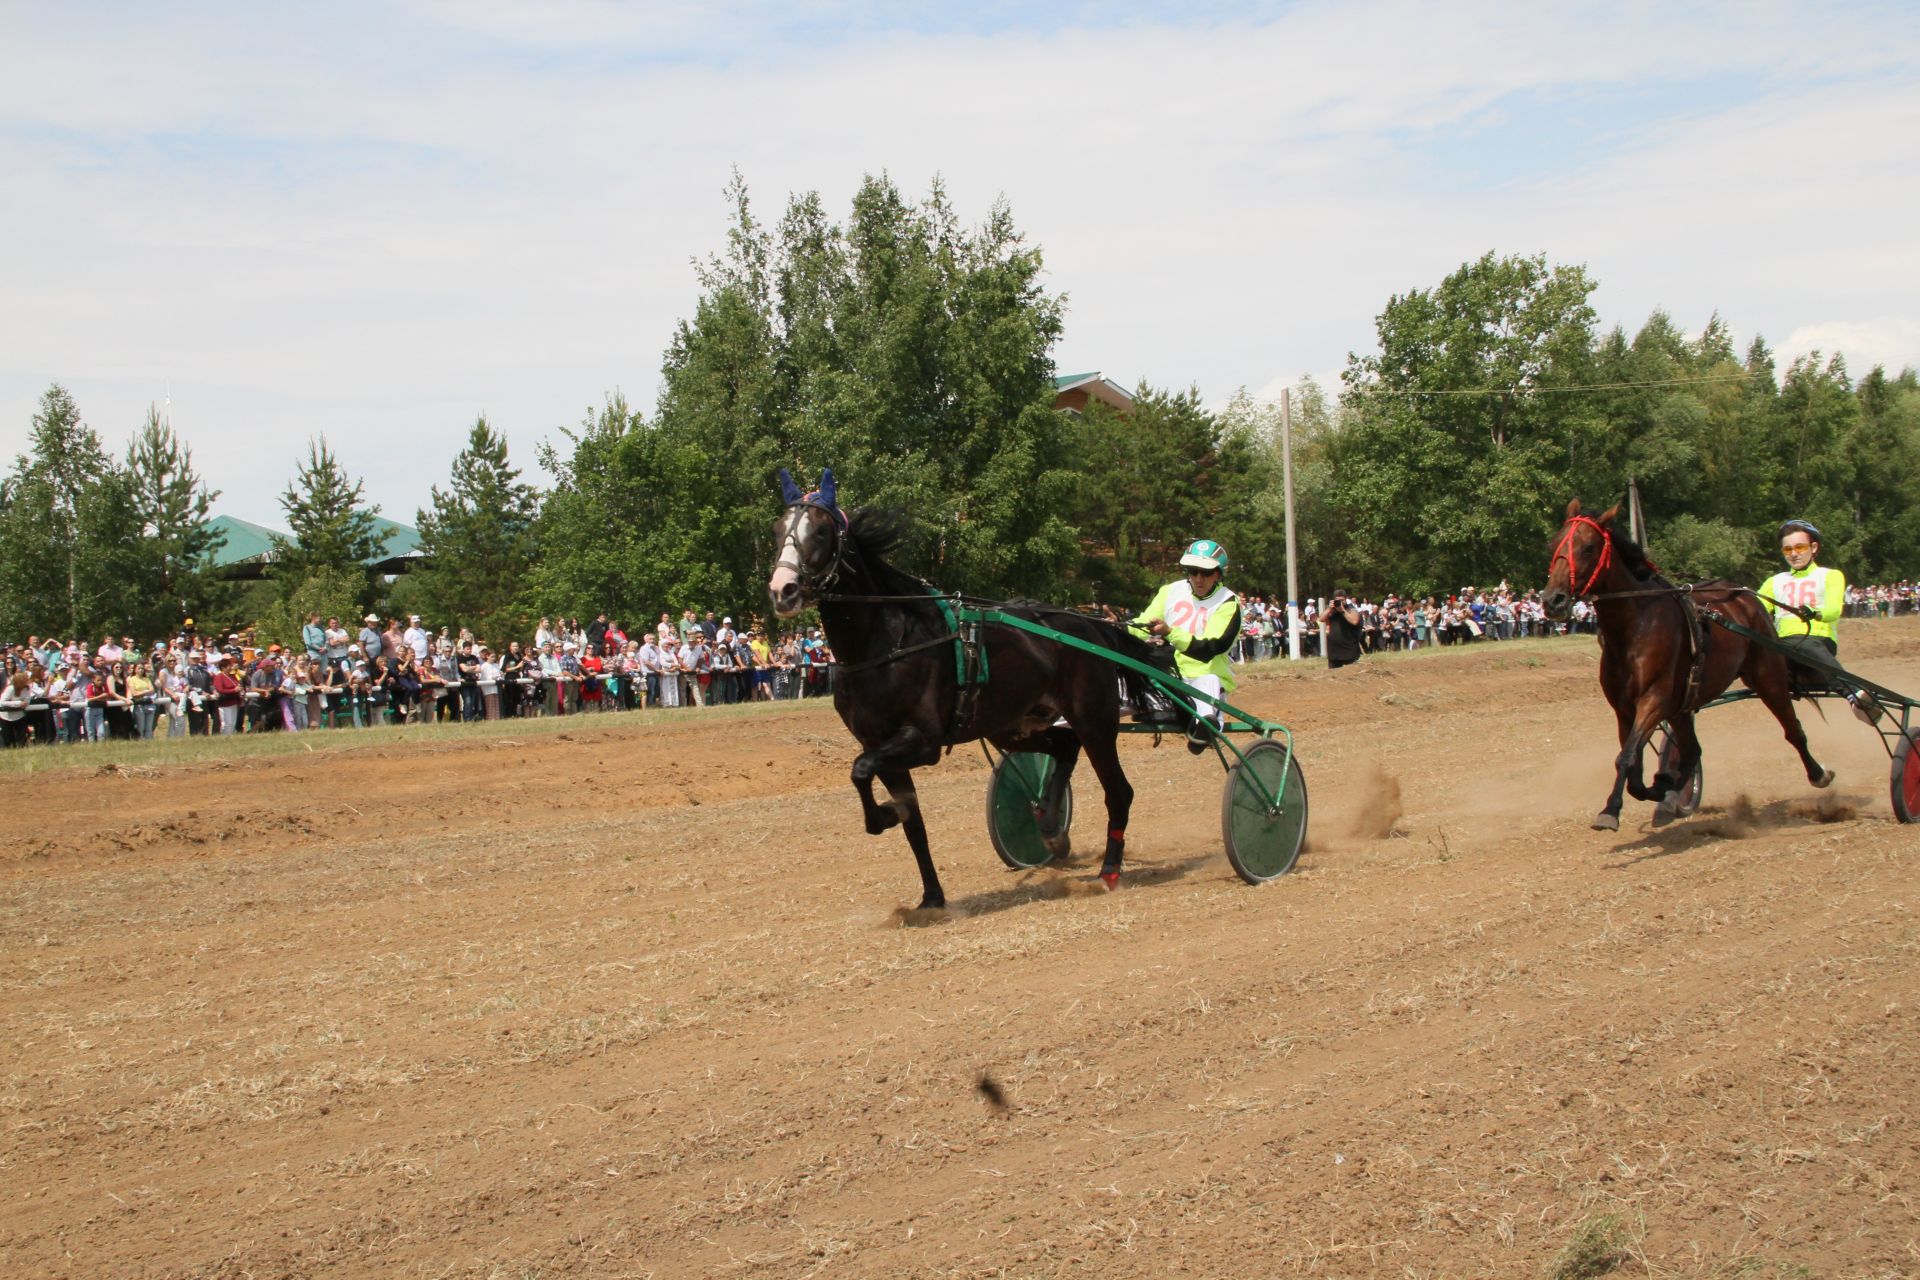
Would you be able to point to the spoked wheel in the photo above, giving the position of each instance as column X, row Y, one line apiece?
column 1906, row 777
column 1263, row 814
column 1684, row 801
column 1016, row 795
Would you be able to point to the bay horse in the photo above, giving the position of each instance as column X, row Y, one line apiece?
column 897, row 685
column 1651, row 665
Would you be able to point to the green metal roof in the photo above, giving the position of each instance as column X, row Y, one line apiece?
column 245, row 542
column 249, row 543
column 396, row 539
column 1065, row 380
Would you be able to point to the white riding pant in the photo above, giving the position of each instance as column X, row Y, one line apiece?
column 1208, row 684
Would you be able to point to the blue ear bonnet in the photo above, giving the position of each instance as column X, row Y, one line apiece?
column 823, row 497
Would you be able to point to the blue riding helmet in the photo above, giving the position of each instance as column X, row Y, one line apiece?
column 1800, row 526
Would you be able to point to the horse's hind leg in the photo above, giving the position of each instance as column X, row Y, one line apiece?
column 1104, row 756
column 1670, row 781
column 1774, row 693
column 1064, row 746
column 1687, row 759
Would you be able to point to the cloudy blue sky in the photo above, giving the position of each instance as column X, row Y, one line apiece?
column 377, row 221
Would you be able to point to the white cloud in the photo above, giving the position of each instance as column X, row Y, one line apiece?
column 379, row 222
column 1892, row 342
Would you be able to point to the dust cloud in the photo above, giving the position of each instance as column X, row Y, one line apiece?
column 1379, row 806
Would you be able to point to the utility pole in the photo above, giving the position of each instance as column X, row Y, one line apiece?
column 1293, row 568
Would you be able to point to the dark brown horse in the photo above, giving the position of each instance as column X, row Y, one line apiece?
column 897, row 682
column 1648, row 649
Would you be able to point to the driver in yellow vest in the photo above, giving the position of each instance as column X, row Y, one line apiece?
column 1200, row 618
column 1806, row 599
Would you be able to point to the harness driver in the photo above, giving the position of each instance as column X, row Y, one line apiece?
column 1200, row 618
column 1806, row 599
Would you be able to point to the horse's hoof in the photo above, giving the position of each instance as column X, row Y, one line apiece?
column 1662, row 815
column 1111, row 879
column 1824, row 780
column 1606, row 822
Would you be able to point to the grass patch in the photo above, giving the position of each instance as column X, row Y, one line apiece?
column 1526, row 653
column 1598, row 1246
column 135, row 758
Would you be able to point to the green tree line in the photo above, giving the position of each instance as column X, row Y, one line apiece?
column 1493, row 399
column 914, row 355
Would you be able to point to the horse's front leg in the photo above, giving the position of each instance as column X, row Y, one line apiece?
column 1634, row 731
column 906, row 800
column 1636, row 771
column 892, row 763
column 879, row 817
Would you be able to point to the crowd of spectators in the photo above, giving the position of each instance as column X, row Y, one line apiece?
column 1403, row 622
column 1476, row 613
column 1884, row 600
column 386, row 673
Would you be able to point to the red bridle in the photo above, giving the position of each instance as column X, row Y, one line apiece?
column 1566, row 549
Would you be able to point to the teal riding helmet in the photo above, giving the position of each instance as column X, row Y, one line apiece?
column 1205, row 553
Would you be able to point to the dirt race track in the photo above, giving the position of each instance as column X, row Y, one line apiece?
column 632, row 997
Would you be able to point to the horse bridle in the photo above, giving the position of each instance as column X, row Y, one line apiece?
column 811, row 583
column 1565, row 548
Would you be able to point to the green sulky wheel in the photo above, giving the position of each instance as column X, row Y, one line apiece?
column 1019, row 784
column 1906, row 777
column 1263, row 840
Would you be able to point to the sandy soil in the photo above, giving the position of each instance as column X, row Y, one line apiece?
column 636, row 1001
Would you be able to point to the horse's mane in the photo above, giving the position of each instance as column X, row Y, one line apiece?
column 874, row 532
column 872, row 535
column 1634, row 557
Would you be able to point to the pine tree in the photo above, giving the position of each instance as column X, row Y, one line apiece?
column 478, row 539
column 68, row 467
column 171, row 504
column 331, row 527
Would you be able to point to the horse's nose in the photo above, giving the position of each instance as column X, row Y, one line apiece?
column 785, row 599
column 1555, row 603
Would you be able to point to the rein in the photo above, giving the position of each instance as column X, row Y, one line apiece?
column 945, row 601
column 896, row 654
column 1684, row 590
column 1687, row 589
